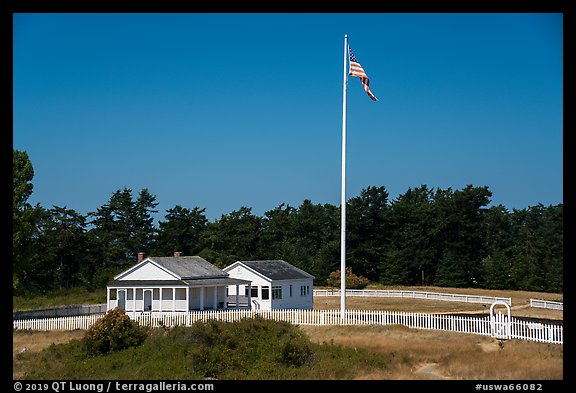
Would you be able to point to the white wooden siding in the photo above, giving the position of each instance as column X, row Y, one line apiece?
column 286, row 302
column 148, row 271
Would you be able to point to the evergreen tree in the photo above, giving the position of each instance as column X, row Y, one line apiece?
column 316, row 238
column 367, row 231
column 23, row 218
column 235, row 236
column 537, row 252
column 182, row 231
column 278, row 229
column 60, row 260
column 458, row 233
column 496, row 230
column 142, row 222
column 412, row 253
column 423, row 237
column 120, row 229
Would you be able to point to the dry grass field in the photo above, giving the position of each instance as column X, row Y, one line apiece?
column 417, row 354
column 520, row 302
column 426, row 354
column 37, row 341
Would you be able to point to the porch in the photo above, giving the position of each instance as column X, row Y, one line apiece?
column 180, row 296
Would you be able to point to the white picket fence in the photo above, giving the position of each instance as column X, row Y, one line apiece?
column 447, row 297
column 498, row 326
column 546, row 304
column 82, row 322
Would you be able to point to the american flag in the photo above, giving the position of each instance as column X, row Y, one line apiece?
column 357, row 70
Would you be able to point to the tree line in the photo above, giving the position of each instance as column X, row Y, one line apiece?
column 425, row 236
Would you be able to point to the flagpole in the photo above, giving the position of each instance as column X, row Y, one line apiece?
column 343, row 199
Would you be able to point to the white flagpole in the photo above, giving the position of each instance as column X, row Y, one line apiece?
column 343, row 201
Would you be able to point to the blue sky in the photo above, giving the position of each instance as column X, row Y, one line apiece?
column 221, row 111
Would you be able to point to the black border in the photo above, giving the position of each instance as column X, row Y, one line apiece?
column 567, row 7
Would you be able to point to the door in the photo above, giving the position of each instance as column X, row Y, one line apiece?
column 147, row 300
column 122, row 299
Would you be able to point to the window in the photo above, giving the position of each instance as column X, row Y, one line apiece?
column 290, row 290
column 304, row 290
column 277, row 292
column 265, row 293
column 167, row 294
column 254, row 291
column 180, row 294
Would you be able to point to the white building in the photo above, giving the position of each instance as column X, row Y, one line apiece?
column 275, row 284
column 171, row 284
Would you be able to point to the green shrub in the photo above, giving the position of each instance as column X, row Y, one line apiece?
column 113, row 332
column 296, row 351
column 249, row 349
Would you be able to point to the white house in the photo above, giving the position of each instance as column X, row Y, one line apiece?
column 275, row 284
column 171, row 284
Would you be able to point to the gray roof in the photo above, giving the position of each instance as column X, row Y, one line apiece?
column 220, row 281
column 189, row 267
column 277, row 269
column 146, row 283
column 216, row 281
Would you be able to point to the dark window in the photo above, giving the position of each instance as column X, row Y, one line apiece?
column 265, row 293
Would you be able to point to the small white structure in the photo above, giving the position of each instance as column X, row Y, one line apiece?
column 275, row 284
column 171, row 284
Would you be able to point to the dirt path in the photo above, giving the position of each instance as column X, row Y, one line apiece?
column 427, row 372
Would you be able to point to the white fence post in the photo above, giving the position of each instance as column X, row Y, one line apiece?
column 547, row 304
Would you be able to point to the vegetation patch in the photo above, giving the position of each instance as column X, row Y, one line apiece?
column 59, row 297
column 252, row 348
column 114, row 332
